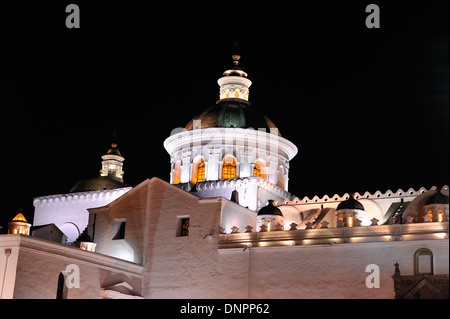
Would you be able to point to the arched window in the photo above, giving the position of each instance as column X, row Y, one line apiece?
column 260, row 169
column 236, row 93
column 198, row 171
column 229, row 167
column 430, row 213
column 177, row 173
column 350, row 220
column 423, row 262
column 440, row 216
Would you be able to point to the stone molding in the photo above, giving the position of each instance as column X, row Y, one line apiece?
column 213, row 136
column 367, row 195
column 74, row 254
column 70, row 198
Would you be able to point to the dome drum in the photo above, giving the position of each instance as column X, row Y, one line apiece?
column 255, row 153
column 234, row 86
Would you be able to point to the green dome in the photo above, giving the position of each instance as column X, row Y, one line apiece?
column 233, row 112
column 98, row 184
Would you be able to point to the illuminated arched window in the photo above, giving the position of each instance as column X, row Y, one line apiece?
column 260, row 169
column 236, row 93
column 430, row 213
column 198, row 171
column 177, row 173
column 227, row 93
column 229, row 167
column 256, row 170
column 350, row 221
column 440, row 216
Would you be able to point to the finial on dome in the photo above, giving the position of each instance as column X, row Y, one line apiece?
column 236, row 58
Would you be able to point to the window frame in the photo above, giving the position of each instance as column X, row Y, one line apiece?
column 417, row 263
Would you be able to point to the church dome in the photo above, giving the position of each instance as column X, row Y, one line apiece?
column 350, row 203
column 98, row 183
column 437, row 198
column 233, row 112
column 270, row 209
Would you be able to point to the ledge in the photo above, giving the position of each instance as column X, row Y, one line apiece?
column 80, row 196
column 81, row 256
column 382, row 233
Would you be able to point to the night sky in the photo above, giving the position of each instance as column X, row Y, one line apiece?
column 367, row 108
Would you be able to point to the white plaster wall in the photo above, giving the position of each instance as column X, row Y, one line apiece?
column 9, row 255
column 325, row 271
column 131, row 209
column 193, row 266
column 189, row 266
column 247, row 190
column 69, row 211
column 35, row 264
column 235, row 215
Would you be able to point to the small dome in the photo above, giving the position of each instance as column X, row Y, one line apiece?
column 270, row 209
column 19, row 218
column 97, row 184
column 233, row 112
column 350, row 203
column 437, row 198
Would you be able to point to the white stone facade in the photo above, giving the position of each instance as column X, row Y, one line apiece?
column 221, row 257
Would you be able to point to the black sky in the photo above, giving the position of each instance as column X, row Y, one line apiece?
column 367, row 108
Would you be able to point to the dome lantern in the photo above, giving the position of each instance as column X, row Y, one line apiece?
column 112, row 163
column 111, row 174
column 234, row 83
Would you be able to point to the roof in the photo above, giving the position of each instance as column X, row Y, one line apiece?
column 233, row 112
column 350, row 203
column 97, row 184
column 19, row 218
column 235, row 70
column 270, row 209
